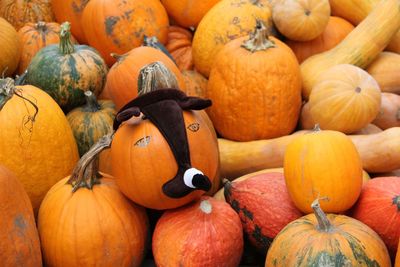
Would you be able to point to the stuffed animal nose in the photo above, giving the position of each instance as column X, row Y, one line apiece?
column 194, row 178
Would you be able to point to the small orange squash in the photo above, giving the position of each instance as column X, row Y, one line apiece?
column 386, row 69
column 10, row 48
column 389, row 114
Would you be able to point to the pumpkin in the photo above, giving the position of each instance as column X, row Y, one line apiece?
column 195, row 83
column 37, row 143
column 345, row 98
column 91, row 121
column 326, row 164
column 19, row 237
column 65, row 71
column 389, row 114
column 248, row 99
column 71, row 11
column 192, row 229
column 10, row 45
column 327, row 240
column 264, row 206
column 20, row 12
column 35, row 36
column 179, row 45
column 122, row 79
column 356, row 49
column 226, row 21
column 378, row 207
column 188, row 13
column 336, row 30
column 96, row 217
column 301, row 20
column 120, row 25
column 385, row 70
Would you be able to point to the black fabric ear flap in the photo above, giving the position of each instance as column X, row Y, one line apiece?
column 125, row 115
column 194, row 103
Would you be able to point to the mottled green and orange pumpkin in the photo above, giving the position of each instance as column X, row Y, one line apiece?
column 65, row 71
column 91, row 121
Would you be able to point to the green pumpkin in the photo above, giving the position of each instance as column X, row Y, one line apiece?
column 91, row 122
column 65, row 71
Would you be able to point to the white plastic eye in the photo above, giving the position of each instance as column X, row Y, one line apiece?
column 188, row 176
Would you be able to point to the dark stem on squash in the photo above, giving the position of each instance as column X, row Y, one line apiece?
column 85, row 173
column 91, row 102
column 156, row 76
column 258, row 40
column 324, row 224
column 256, row 2
column 66, row 47
column 398, row 115
column 41, row 26
column 316, row 128
column 396, row 201
column 117, row 57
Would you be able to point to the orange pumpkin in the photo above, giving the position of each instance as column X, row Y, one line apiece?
column 195, row 83
column 389, row 114
column 19, row 244
column 385, row 69
column 260, row 97
column 118, row 26
column 345, row 98
column 10, row 48
column 204, row 233
column 323, row 164
column 179, row 45
column 336, row 30
column 20, row 12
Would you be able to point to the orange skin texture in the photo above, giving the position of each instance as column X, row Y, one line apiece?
column 336, row 30
column 179, row 45
column 323, row 164
column 188, row 236
column 377, row 209
column 141, row 170
column 39, row 153
column 122, row 78
column 117, row 26
column 10, row 48
column 71, row 11
column 385, row 69
column 255, row 95
column 98, row 227
column 195, row 83
column 226, row 21
column 389, row 114
column 188, row 13
column 19, row 12
column 19, row 237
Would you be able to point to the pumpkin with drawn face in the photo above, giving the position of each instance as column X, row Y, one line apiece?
column 164, row 153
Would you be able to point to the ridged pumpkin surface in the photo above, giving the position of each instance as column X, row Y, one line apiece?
column 179, row 44
column 19, row 237
column 195, row 83
column 10, row 48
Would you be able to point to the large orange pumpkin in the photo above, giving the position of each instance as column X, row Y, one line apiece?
column 255, row 86
column 204, row 233
column 35, row 144
column 19, row 244
column 117, row 26
column 10, row 48
column 323, row 164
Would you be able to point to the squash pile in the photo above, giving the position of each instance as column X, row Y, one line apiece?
column 200, row 133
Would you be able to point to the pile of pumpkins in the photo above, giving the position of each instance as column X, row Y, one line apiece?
column 112, row 153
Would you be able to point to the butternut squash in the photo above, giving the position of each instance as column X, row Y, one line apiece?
column 360, row 47
column 389, row 115
column 379, row 152
column 386, row 71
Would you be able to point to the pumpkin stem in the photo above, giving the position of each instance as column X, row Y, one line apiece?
column 205, row 206
column 396, row 201
column 41, row 26
column 91, row 102
column 258, row 40
column 316, row 128
column 398, row 114
column 227, row 189
column 86, row 172
column 323, row 223
column 66, row 47
column 118, row 57
column 156, row 76
column 256, row 3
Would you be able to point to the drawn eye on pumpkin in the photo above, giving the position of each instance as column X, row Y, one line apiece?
column 194, row 127
column 143, row 142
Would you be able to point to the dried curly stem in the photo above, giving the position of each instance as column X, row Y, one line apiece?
column 258, row 40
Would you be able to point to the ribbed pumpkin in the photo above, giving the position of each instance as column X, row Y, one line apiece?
column 336, row 30
column 264, row 206
column 71, row 11
column 227, row 20
column 19, row 244
column 85, row 220
column 204, row 233
column 389, row 114
column 301, row 20
column 35, row 36
column 36, row 145
column 345, row 98
column 385, row 69
column 327, row 240
column 179, row 45
column 122, row 79
column 323, row 164
column 20, row 12
column 10, row 48
column 379, row 208
column 260, row 97
column 195, row 83
column 117, row 26
column 65, row 71
column 91, row 122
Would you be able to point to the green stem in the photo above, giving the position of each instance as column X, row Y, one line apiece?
column 258, row 40
column 91, row 102
column 324, row 224
column 156, row 76
column 7, row 91
column 66, row 47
